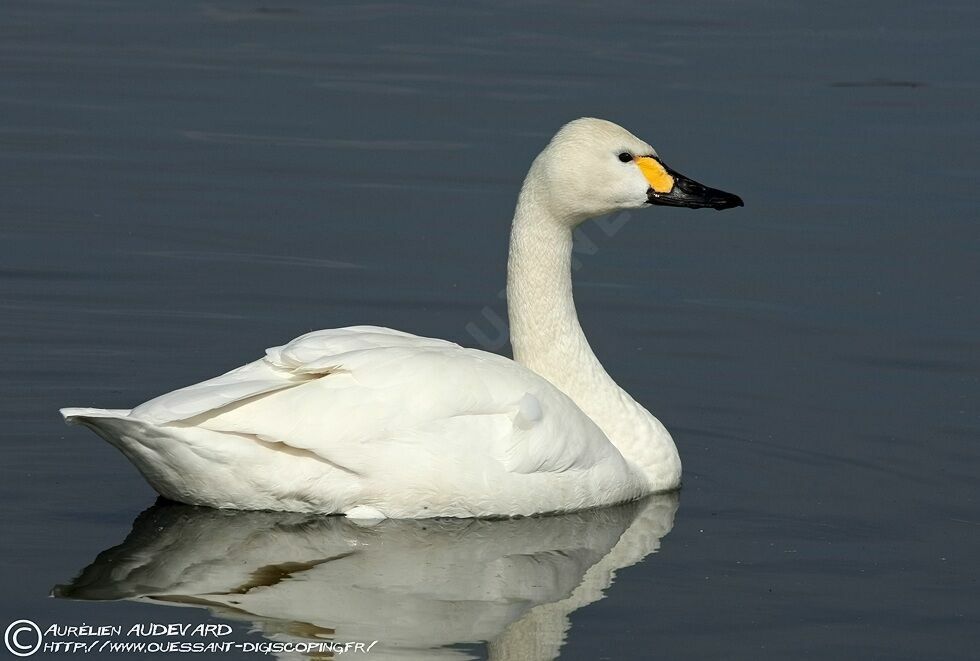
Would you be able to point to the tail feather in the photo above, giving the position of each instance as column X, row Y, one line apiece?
column 200, row 466
column 77, row 415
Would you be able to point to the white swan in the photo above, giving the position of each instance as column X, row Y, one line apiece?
column 374, row 423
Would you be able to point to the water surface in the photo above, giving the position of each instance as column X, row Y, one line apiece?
column 183, row 186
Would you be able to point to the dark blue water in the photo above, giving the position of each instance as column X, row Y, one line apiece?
column 185, row 184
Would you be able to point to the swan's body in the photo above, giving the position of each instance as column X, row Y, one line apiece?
column 374, row 423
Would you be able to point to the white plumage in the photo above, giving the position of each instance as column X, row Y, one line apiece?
column 373, row 422
column 425, row 426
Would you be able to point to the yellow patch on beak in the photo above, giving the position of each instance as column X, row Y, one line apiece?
column 655, row 174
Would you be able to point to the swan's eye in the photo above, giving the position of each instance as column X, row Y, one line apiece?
column 626, row 157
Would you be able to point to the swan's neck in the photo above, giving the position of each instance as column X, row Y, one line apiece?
column 547, row 338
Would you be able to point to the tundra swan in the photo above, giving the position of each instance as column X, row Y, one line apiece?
column 376, row 423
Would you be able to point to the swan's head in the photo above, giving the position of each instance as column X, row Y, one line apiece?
column 594, row 167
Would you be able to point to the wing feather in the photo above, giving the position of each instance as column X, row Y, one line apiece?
column 360, row 397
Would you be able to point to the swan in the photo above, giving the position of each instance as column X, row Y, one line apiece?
column 376, row 423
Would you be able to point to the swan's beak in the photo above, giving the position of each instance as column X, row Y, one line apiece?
column 672, row 189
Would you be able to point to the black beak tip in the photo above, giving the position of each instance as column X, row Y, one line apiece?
column 691, row 194
column 728, row 201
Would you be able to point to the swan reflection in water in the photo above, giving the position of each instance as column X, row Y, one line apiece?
column 415, row 586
